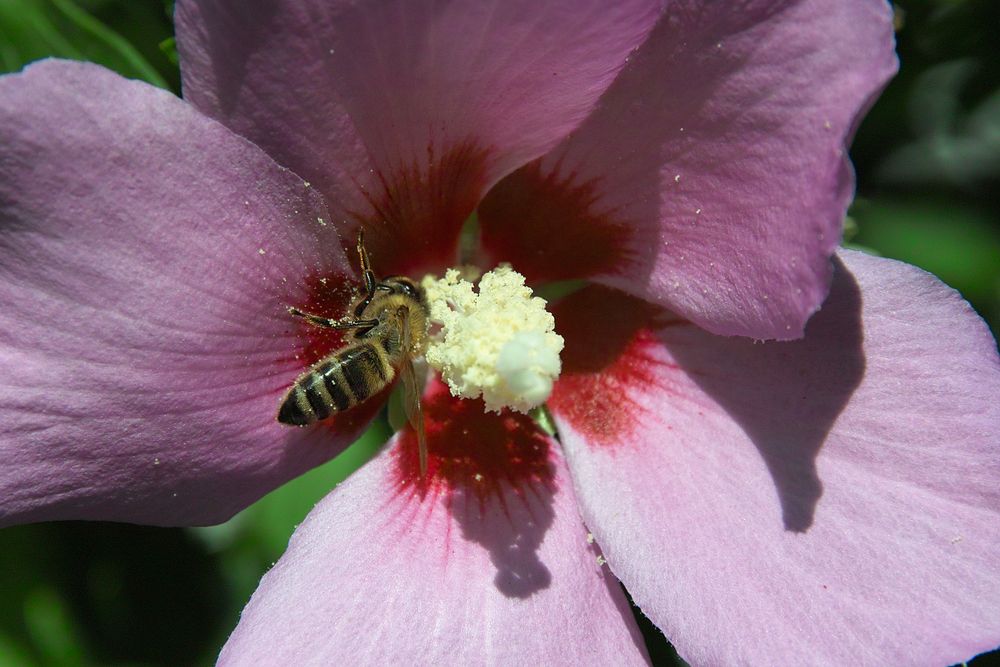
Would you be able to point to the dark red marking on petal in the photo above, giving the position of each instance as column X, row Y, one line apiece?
column 478, row 454
column 328, row 296
column 417, row 210
column 610, row 337
column 549, row 226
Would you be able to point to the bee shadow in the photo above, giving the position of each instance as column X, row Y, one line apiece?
column 511, row 528
column 498, row 477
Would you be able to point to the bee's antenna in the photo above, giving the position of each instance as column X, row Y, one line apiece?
column 366, row 266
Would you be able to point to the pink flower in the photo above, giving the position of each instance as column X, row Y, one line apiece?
column 827, row 500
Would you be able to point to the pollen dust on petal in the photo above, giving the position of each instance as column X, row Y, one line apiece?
column 482, row 455
column 328, row 296
column 550, row 226
column 416, row 210
column 609, row 358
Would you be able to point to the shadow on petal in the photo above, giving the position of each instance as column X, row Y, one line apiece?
column 625, row 358
column 786, row 396
column 496, row 478
column 511, row 528
column 233, row 38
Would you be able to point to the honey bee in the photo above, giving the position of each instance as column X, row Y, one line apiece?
column 389, row 324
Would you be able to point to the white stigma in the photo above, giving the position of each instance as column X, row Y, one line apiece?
column 498, row 343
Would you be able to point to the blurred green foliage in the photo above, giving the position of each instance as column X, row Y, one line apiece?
column 928, row 153
column 928, row 162
column 122, row 35
column 77, row 593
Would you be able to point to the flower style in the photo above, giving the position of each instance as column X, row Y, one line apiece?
column 828, row 499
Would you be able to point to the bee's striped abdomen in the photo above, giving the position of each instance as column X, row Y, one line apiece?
column 337, row 383
column 363, row 370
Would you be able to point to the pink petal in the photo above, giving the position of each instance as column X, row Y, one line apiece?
column 828, row 501
column 711, row 179
column 403, row 113
column 485, row 561
column 147, row 260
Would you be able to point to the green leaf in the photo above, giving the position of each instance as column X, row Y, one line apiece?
column 957, row 242
column 169, row 49
column 249, row 544
column 14, row 654
column 264, row 527
column 35, row 29
column 51, row 627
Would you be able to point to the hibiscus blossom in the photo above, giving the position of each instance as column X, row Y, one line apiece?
column 831, row 498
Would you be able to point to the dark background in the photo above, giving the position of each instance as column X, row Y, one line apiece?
column 928, row 163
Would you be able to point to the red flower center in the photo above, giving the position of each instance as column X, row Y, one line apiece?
column 477, row 453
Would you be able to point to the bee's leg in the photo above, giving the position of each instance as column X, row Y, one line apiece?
column 360, row 308
column 327, row 323
column 366, row 264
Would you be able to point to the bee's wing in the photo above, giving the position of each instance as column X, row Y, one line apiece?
column 411, row 392
column 414, row 411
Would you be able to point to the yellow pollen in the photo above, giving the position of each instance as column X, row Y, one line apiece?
column 497, row 343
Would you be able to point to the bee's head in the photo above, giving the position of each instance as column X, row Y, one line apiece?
column 403, row 285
